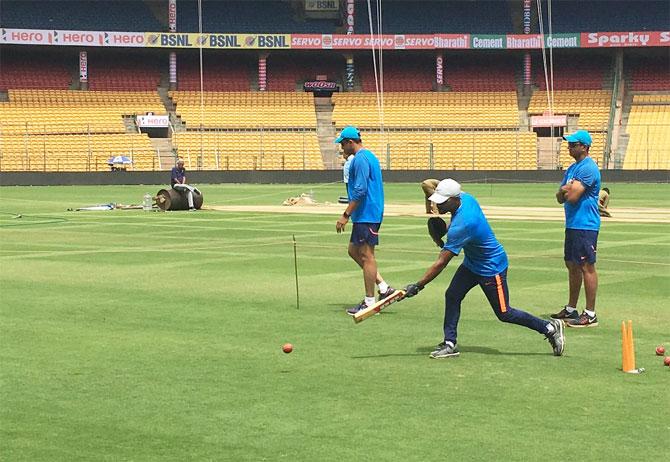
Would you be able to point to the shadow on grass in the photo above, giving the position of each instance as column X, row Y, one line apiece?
column 388, row 355
column 336, row 307
column 493, row 351
column 425, row 351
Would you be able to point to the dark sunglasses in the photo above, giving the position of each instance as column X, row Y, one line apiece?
column 575, row 144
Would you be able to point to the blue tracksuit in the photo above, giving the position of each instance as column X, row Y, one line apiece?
column 485, row 264
column 365, row 186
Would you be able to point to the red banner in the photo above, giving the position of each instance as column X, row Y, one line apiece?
column 549, row 121
column 524, row 41
column 387, row 42
column 624, row 39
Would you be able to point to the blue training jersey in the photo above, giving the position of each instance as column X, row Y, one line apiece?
column 583, row 214
column 469, row 230
column 365, row 186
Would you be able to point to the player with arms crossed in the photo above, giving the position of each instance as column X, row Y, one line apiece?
column 579, row 195
column 485, row 264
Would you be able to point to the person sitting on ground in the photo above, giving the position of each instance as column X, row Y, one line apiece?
column 178, row 181
column 603, row 202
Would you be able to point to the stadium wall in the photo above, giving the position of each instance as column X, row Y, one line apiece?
column 316, row 176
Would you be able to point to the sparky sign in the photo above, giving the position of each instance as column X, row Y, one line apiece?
column 624, row 39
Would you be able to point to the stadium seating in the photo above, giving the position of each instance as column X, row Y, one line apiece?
column 242, row 131
column 32, row 71
column 575, row 72
column 285, row 72
column 115, row 15
column 649, row 74
column 591, row 16
column 70, row 130
column 246, row 109
column 125, row 72
column 427, row 17
column 403, row 73
column 425, row 110
column 592, row 106
column 649, row 130
column 249, row 150
column 61, row 153
column 71, row 111
column 468, row 150
column 240, row 16
column 231, row 73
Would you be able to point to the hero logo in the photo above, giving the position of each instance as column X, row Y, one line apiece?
column 120, row 38
column 74, row 37
column 172, row 15
column 614, row 40
column 29, row 37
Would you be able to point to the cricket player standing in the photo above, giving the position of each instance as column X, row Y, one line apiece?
column 579, row 195
column 365, row 191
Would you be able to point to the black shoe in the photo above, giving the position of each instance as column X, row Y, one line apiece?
column 355, row 309
column 390, row 291
column 566, row 315
column 556, row 338
column 584, row 320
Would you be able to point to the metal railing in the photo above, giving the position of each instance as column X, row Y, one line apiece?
column 648, row 149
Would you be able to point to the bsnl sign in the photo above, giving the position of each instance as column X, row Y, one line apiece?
column 249, row 41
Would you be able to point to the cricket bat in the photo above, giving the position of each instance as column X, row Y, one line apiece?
column 377, row 307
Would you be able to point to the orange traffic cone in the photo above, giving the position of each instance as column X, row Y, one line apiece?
column 628, row 349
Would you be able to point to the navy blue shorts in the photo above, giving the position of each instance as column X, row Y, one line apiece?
column 580, row 246
column 365, row 233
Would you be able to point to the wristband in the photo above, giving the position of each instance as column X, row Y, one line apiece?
column 346, row 215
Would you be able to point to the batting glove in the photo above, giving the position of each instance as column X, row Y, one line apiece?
column 412, row 289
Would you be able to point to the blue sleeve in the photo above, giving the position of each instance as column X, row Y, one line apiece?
column 174, row 173
column 586, row 175
column 361, row 169
column 457, row 238
column 565, row 177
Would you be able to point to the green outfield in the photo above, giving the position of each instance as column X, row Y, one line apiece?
column 131, row 335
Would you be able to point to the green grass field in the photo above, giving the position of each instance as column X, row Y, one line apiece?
column 129, row 335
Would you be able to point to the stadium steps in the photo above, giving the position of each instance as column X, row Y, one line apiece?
column 130, row 124
column 624, row 137
column 547, row 152
column 523, row 101
column 177, row 124
column 167, row 101
column 74, row 79
column 325, row 131
column 165, row 152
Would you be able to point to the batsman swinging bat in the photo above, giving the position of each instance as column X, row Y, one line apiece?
column 377, row 307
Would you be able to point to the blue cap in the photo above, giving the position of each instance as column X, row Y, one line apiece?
column 348, row 133
column 580, row 136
